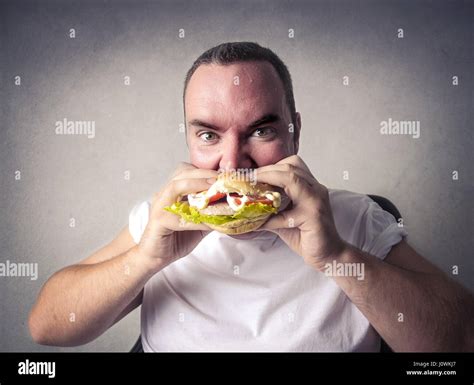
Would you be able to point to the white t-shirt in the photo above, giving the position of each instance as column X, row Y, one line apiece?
column 257, row 294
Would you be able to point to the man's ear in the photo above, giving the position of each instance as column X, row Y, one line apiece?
column 296, row 132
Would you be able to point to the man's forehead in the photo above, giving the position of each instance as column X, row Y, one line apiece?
column 253, row 73
column 245, row 85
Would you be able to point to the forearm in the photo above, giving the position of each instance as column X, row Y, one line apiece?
column 412, row 311
column 80, row 302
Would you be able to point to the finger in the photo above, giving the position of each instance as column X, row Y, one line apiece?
column 182, row 166
column 284, row 220
column 289, row 168
column 296, row 161
column 196, row 173
column 180, row 187
column 179, row 224
column 172, row 222
column 294, row 185
column 175, row 189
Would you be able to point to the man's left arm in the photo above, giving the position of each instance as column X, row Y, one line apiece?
column 412, row 304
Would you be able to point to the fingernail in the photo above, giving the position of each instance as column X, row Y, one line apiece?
column 211, row 180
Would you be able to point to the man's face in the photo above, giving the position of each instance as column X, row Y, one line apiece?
column 237, row 117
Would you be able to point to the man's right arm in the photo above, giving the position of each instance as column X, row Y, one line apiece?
column 81, row 301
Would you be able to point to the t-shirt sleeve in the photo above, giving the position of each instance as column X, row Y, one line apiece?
column 138, row 220
column 381, row 231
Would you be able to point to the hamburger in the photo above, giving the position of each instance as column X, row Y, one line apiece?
column 232, row 205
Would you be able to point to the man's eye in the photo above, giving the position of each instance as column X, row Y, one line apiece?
column 208, row 136
column 263, row 132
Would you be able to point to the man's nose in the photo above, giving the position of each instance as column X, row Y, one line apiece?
column 235, row 155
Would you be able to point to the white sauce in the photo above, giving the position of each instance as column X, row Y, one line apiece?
column 275, row 197
column 234, row 205
column 201, row 200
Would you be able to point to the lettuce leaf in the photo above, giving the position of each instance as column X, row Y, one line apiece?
column 191, row 214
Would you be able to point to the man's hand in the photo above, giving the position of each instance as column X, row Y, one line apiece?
column 167, row 237
column 307, row 227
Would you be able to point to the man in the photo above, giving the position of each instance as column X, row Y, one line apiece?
column 268, row 290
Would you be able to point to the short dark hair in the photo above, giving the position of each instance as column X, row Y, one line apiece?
column 229, row 53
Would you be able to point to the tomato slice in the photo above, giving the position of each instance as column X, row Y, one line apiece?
column 264, row 201
column 216, row 197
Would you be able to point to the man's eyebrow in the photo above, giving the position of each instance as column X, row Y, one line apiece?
column 269, row 118
column 200, row 123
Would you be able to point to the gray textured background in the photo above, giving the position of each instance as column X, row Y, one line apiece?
column 137, row 125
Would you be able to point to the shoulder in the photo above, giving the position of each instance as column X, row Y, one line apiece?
column 363, row 223
column 348, row 203
column 349, row 210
